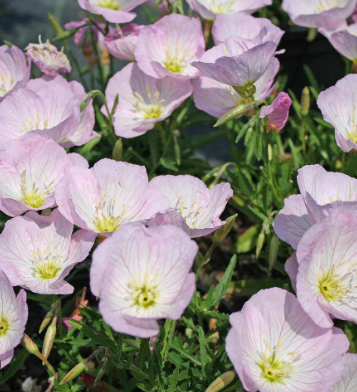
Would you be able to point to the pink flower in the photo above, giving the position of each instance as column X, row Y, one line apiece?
column 83, row 132
column 193, row 207
column 245, row 26
column 30, row 169
column 348, row 382
column 13, row 319
column 142, row 275
column 217, row 99
column 82, row 37
column 46, row 56
column 326, row 279
column 115, row 11
column 122, row 44
column 37, row 252
column 103, row 198
column 277, row 112
column 275, row 346
column 236, row 62
column 344, row 40
column 143, row 100
column 209, row 9
column 168, row 47
column 49, row 107
column 321, row 192
column 14, row 71
column 319, row 13
column 338, row 106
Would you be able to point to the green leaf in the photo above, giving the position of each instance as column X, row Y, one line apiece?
column 168, row 164
column 178, row 347
column 203, row 352
column 14, row 366
column 173, row 381
column 247, row 241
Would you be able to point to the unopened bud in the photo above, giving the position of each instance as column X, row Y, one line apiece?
column 305, row 101
column 222, row 381
column 270, row 152
column 47, row 319
column 49, row 338
column 56, row 27
column 75, row 372
column 118, row 150
column 273, row 251
column 260, row 243
column 232, row 114
column 101, row 372
column 223, row 231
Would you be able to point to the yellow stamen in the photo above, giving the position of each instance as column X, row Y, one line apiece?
column 110, row 4
column 47, row 269
column 4, row 326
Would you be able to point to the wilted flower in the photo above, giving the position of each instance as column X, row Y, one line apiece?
column 115, row 11
column 338, row 106
column 326, row 279
column 168, row 47
column 46, row 56
column 142, row 275
column 245, row 26
column 236, row 62
column 275, row 346
column 208, row 9
column 83, row 132
column 321, row 192
column 121, row 44
column 348, row 381
column 108, row 195
column 217, row 98
column 37, row 252
column 319, row 13
column 82, row 37
column 14, row 71
column 193, row 207
column 144, row 100
column 13, row 319
column 277, row 112
column 30, row 169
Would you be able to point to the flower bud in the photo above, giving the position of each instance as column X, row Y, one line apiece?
column 260, row 243
column 273, row 251
column 118, row 150
column 277, row 112
column 56, row 27
column 75, row 372
column 222, row 381
column 47, row 319
column 232, row 114
column 223, row 231
column 305, row 101
column 49, row 338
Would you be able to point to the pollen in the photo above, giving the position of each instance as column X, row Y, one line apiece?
column 145, row 296
column 152, row 111
column 4, row 325
column 33, row 199
column 174, row 65
column 106, row 224
column 47, row 270
column 331, row 287
column 273, row 370
column 109, row 4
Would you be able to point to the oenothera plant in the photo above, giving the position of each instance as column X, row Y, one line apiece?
column 148, row 260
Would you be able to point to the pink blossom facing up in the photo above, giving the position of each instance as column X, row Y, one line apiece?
column 193, row 207
column 326, row 279
column 82, row 37
column 37, row 252
column 122, row 44
column 321, row 193
column 141, row 275
column 277, row 112
column 14, row 70
column 169, row 46
column 30, row 169
column 245, row 26
column 115, row 11
column 319, row 13
column 143, row 100
column 13, row 319
column 338, row 106
column 209, row 9
column 236, row 62
column 83, row 131
column 103, row 198
column 275, row 346
column 348, row 381
column 46, row 56
column 217, row 99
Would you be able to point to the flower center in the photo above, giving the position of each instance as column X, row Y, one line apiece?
column 152, row 111
column 145, row 296
column 110, row 4
column 174, row 64
column 4, row 326
column 30, row 124
column 331, row 287
column 150, row 106
column 33, row 199
column 191, row 214
column 221, row 8
column 325, row 5
column 106, row 224
column 48, row 269
column 5, row 84
column 273, row 369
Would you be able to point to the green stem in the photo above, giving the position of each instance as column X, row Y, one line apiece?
column 101, row 71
